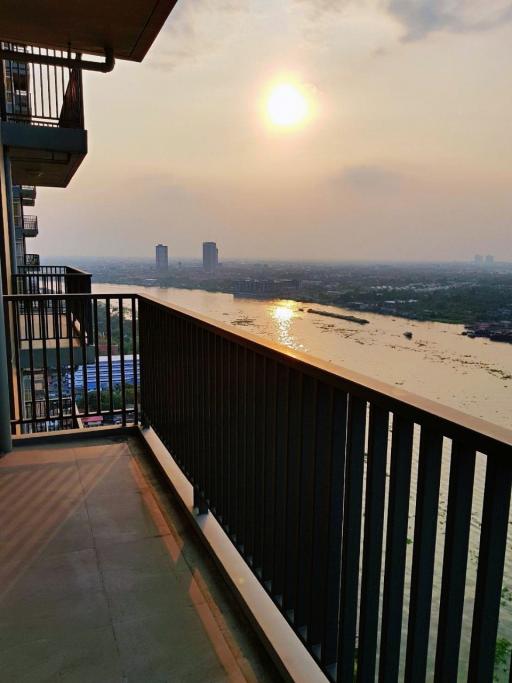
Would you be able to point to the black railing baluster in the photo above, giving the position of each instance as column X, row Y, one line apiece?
column 56, row 317
column 396, row 545
column 96, row 356
column 241, row 447
column 44, row 336
column 460, row 496
column 209, row 426
column 493, row 543
column 16, row 320
column 213, row 493
column 281, row 463
column 352, row 520
column 30, row 335
column 83, row 342
column 250, row 449
column 293, row 499
column 269, row 481
column 234, row 453
column 332, row 576
column 321, row 514
column 121, row 360
column 71, row 341
column 424, row 546
column 108, row 323
column 306, row 510
column 135, row 363
column 372, row 553
column 260, row 382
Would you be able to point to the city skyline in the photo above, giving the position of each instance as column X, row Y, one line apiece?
column 406, row 156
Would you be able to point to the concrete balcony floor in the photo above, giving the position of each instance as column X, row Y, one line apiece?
column 102, row 579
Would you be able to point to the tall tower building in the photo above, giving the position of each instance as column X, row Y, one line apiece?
column 162, row 258
column 210, row 256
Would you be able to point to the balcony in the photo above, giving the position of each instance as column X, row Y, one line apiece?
column 42, row 117
column 37, row 279
column 31, row 260
column 355, row 507
column 30, row 226
column 28, row 195
column 49, row 326
column 103, row 578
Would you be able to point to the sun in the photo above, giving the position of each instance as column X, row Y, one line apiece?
column 287, row 106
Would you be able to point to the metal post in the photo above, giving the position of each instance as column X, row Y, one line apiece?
column 200, row 505
column 10, row 212
column 5, row 417
column 5, row 425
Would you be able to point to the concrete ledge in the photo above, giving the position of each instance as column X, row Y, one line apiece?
column 53, row 138
column 24, row 440
column 289, row 654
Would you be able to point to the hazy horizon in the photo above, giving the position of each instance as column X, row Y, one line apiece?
column 406, row 155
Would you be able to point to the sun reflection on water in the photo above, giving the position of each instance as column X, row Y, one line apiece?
column 283, row 314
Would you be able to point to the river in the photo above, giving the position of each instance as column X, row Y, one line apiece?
column 437, row 362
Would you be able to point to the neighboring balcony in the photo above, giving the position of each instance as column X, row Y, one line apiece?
column 42, row 118
column 368, row 525
column 30, row 226
column 25, row 193
column 31, row 260
column 48, row 327
column 28, row 195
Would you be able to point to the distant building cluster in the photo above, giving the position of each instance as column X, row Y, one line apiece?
column 210, row 257
column 484, row 260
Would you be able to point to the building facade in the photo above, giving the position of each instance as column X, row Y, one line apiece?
column 162, row 257
column 210, row 256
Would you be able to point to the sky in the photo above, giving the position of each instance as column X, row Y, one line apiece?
column 406, row 153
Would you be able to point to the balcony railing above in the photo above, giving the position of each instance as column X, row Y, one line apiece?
column 41, row 94
column 30, row 226
column 28, row 194
column 369, row 515
column 37, row 279
column 42, row 114
column 31, row 260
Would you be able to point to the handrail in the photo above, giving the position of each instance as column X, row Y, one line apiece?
column 482, row 433
column 41, row 87
column 371, row 389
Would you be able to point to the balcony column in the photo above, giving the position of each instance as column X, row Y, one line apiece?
column 10, row 212
column 5, row 417
column 5, row 427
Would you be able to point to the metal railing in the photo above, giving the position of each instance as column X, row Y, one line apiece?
column 74, row 369
column 30, row 226
column 31, row 260
column 309, row 471
column 37, row 279
column 37, row 317
column 28, row 194
column 41, row 94
column 376, row 521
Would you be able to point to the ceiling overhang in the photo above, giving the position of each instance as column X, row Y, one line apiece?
column 127, row 27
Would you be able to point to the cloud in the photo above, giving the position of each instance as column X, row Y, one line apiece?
column 419, row 18
column 192, row 31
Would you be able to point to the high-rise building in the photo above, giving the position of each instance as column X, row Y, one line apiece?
column 479, row 259
column 210, row 256
column 489, row 260
column 162, row 257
